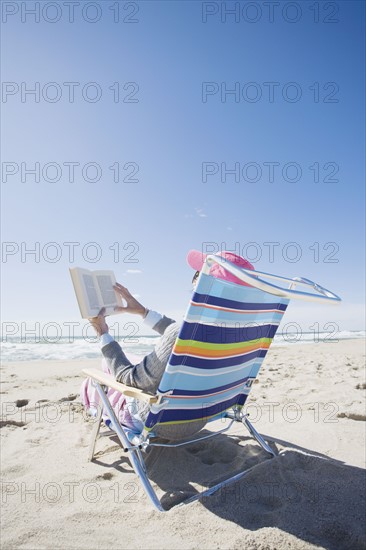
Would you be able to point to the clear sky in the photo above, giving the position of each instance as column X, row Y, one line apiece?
column 151, row 95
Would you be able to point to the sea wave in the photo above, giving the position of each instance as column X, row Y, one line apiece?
column 14, row 349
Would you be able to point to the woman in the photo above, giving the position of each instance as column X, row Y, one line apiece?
column 147, row 374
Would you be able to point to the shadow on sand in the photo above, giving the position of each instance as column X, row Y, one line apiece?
column 317, row 499
column 301, row 492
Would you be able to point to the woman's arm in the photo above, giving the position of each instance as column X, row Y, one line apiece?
column 147, row 374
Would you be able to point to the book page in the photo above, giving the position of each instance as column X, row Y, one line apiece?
column 107, row 292
column 91, row 292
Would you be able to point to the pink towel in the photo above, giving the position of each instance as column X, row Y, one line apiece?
column 125, row 408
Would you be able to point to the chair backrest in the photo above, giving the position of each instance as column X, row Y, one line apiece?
column 225, row 335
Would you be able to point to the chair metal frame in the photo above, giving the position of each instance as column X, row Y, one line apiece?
column 136, row 444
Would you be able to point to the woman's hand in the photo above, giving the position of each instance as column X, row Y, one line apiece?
column 98, row 323
column 133, row 306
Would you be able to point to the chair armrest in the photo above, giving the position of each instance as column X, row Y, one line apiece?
column 108, row 380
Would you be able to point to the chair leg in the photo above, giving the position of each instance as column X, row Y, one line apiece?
column 134, row 453
column 257, row 436
column 95, row 433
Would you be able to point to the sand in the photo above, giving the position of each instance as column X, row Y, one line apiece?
column 308, row 401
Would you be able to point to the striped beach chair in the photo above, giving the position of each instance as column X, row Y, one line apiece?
column 225, row 336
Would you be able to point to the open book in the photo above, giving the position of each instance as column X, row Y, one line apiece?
column 94, row 290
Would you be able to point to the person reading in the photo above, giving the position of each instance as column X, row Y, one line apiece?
column 147, row 374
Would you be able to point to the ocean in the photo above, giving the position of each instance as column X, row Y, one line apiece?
column 22, row 349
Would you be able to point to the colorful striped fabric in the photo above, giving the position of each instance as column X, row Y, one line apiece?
column 223, row 340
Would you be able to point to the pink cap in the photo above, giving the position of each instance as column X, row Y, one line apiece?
column 196, row 259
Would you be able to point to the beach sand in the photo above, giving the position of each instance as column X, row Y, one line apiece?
column 309, row 401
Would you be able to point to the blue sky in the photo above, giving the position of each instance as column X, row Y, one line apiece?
column 169, row 133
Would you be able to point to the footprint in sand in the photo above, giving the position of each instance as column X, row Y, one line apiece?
column 352, row 415
column 209, row 456
column 21, row 403
column 361, row 386
column 200, row 454
column 107, row 476
column 35, row 442
column 4, row 423
column 70, row 397
column 79, row 408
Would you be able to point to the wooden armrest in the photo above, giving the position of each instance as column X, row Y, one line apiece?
column 108, row 380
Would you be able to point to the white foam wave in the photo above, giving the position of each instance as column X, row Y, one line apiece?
column 79, row 348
